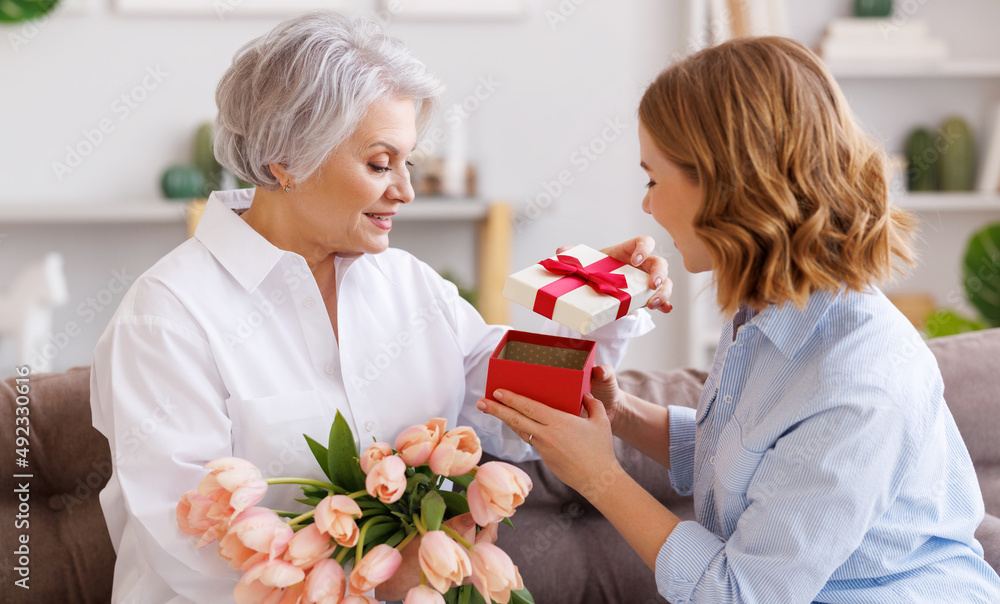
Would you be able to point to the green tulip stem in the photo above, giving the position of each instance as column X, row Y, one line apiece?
column 298, row 519
column 305, row 481
column 357, row 494
column 420, row 525
column 454, row 535
column 406, row 540
column 343, row 554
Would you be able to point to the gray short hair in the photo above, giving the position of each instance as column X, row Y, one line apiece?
column 295, row 94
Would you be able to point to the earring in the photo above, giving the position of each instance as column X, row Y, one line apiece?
column 288, row 188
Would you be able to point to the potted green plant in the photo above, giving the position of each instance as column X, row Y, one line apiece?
column 981, row 282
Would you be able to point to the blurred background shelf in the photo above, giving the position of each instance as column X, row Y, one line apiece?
column 159, row 210
column 149, row 211
column 951, row 69
column 950, row 202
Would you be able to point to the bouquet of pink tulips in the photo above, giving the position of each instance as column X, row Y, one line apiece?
column 374, row 504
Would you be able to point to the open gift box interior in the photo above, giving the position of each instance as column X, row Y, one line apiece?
column 539, row 354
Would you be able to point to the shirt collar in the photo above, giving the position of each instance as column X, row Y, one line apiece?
column 789, row 327
column 241, row 250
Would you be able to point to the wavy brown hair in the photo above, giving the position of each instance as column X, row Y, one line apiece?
column 795, row 195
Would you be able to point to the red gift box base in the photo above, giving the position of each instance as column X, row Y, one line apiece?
column 559, row 387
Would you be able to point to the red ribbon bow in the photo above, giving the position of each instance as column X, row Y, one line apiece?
column 597, row 275
column 603, row 282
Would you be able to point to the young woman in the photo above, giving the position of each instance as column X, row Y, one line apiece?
column 822, row 458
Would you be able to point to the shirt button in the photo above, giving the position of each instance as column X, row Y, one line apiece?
column 369, row 426
column 329, row 369
column 711, row 460
column 728, row 399
column 308, row 302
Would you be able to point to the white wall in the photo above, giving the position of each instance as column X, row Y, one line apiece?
column 558, row 88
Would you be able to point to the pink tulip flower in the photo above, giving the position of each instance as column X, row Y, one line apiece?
column 458, row 452
column 489, row 533
column 325, row 583
column 375, row 568
column 497, row 489
column 374, row 454
column 233, row 485
column 359, row 600
column 387, row 479
column 443, row 560
column 256, row 535
column 270, row 582
column 416, row 443
column 192, row 517
column 308, row 546
column 421, row 594
column 493, row 572
column 335, row 516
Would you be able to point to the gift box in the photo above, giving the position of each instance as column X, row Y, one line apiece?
column 581, row 288
column 550, row 369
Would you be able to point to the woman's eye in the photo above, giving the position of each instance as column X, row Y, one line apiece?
column 378, row 168
column 409, row 163
column 650, row 184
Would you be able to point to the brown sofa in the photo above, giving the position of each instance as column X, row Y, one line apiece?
column 567, row 552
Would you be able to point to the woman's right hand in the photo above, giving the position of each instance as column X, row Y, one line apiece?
column 604, row 387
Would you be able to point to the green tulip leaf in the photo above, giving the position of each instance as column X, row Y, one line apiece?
column 396, row 538
column 313, row 491
column 310, row 501
column 379, row 531
column 521, row 596
column 456, row 502
column 342, row 457
column 465, row 594
column 321, row 454
column 464, row 480
column 371, row 504
column 432, row 509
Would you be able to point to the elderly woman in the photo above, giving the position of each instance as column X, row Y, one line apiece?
column 287, row 306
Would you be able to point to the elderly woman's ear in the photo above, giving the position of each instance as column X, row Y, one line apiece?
column 280, row 173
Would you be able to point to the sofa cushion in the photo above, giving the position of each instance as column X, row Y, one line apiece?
column 969, row 365
column 71, row 556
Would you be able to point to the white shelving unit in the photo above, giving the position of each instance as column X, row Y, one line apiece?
column 950, row 69
column 949, row 202
column 160, row 210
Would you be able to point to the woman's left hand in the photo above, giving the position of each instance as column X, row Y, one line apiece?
column 639, row 252
column 579, row 450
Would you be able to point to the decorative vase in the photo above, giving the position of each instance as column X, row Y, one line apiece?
column 182, row 182
column 872, row 8
column 957, row 168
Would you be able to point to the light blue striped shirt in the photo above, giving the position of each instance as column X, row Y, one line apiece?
column 825, row 466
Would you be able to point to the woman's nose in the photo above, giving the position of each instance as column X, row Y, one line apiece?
column 645, row 205
column 401, row 190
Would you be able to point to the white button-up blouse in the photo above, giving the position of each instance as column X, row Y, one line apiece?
column 225, row 348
